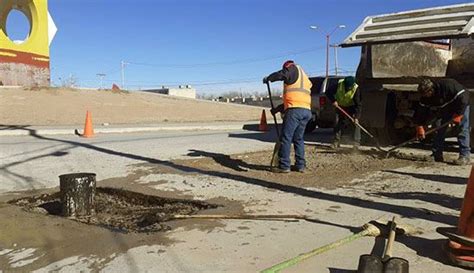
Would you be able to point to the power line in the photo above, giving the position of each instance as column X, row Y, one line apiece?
column 232, row 62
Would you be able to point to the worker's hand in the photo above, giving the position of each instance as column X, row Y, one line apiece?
column 335, row 104
column 265, row 80
column 273, row 111
column 356, row 121
column 457, row 119
column 420, row 132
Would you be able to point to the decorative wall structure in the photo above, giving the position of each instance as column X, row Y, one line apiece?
column 26, row 63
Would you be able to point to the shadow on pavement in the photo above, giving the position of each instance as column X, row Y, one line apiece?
column 338, row 270
column 450, row 146
column 226, row 161
column 429, row 248
column 433, row 177
column 14, row 127
column 443, row 200
column 319, row 135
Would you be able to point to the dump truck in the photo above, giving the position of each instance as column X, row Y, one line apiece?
column 399, row 49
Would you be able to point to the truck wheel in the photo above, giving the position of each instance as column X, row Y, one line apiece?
column 388, row 135
column 471, row 140
column 310, row 126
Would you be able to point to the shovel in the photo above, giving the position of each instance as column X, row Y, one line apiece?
column 372, row 229
column 370, row 263
column 275, row 158
column 377, row 145
column 393, row 264
column 368, row 230
column 416, row 138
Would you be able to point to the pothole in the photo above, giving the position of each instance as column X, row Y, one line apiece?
column 120, row 210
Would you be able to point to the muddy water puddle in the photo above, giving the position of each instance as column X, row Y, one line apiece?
column 120, row 210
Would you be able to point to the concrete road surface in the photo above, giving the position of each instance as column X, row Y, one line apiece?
column 36, row 161
column 424, row 197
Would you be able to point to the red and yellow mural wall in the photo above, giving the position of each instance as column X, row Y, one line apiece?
column 25, row 63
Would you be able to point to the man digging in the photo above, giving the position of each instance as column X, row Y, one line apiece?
column 445, row 100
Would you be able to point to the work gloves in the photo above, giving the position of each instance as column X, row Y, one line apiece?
column 420, row 132
column 457, row 119
column 265, row 80
column 279, row 109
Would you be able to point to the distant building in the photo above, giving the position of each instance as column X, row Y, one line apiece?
column 185, row 91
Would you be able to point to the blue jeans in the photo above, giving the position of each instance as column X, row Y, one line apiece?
column 463, row 136
column 294, row 124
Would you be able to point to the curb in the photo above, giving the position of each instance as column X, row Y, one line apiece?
column 71, row 131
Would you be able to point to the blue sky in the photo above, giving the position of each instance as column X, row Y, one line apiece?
column 215, row 45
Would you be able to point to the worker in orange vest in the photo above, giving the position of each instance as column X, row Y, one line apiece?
column 297, row 112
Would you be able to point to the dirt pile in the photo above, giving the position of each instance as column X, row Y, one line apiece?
column 120, row 210
column 326, row 168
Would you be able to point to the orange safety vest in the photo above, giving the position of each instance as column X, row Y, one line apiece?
column 298, row 94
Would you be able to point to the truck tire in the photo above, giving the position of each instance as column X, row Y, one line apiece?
column 388, row 135
column 471, row 140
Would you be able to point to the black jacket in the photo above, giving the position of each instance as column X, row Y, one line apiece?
column 444, row 102
column 287, row 75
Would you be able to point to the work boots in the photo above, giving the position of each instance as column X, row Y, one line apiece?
column 462, row 160
column 435, row 158
column 335, row 145
column 356, row 147
column 280, row 170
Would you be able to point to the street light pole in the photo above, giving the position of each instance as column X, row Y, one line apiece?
column 327, row 55
column 328, row 35
column 122, row 66
column 335, row 46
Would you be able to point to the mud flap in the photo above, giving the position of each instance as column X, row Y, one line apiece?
column 374, row 105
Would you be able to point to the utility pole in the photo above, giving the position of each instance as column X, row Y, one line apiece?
column 335, row 46
column 122, row 63
column 328, row 34
column 101, row 76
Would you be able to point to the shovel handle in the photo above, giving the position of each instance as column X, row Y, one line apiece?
column 273, row 107
column 353, row 121
column 390, row 240
column 432, row 130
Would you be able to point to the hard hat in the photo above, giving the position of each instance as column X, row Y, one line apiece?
column 349, row 82
column 288, row 63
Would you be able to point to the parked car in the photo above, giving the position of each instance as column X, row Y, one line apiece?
column 324, row 114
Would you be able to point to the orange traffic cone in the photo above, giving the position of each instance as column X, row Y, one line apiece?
column 263, row 122
column 88, row 130
column 460, row 247
column 466, row 219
